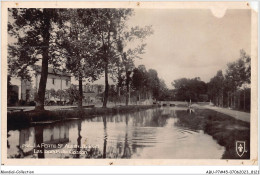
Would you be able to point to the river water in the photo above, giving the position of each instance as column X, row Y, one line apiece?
column 150, row 134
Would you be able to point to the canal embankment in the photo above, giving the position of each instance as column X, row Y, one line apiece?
column 240, row 115
column 23, row 119
column 225, row 129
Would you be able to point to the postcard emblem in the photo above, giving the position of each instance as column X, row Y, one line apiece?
column 240, row 148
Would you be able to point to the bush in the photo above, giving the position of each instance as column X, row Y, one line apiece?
column 21, row 102
column 32, row 103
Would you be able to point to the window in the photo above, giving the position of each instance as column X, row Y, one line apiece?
column 67, row 82
column 53, row 81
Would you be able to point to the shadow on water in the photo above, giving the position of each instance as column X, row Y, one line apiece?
column 105, row 138
column 191, row 121
column 39, row 141
column 78, row 140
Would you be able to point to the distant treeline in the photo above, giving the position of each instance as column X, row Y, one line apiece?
column 231, row 89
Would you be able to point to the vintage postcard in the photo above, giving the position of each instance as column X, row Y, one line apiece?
column 129, row 83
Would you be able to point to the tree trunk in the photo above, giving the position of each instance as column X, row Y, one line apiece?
column 222, row 99
column 45, row 57
column 244, row 99
column 60, row 90
column 139, row 97
column 119, row 79
column 106, row 86
column 127, row 87
column 228, row 100
column 238, row 100
column 231, row 103
column 235, row 100
column 80, row 93
column 119, row 94
column 117, row 90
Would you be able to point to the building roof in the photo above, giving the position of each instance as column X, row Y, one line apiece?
column 52, row 71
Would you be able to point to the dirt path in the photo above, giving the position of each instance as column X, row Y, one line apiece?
column 29, row 108
column 244, row 116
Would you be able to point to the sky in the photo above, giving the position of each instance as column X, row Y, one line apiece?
column 192, row 43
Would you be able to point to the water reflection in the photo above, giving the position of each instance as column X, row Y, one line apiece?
column 127, row 150
column 39, row 141
column 153, row 133
column 77, row 155
column 105, row 137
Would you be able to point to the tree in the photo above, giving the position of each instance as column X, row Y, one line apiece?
column 119, row 78
column 140, row 80
column 153, row 83
column 61, row 94
column 238, row 76
column 216, row 88
column 225, row 90
column 189, row 89
column 129, row 54
column 164, row 93
column 107, row 23
column 79, row 45
column 113, row 94
column 33, row 30
column 12, row 96
column 72, row 94
column 246, row 78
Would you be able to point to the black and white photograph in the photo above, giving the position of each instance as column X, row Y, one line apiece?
column 129, row 83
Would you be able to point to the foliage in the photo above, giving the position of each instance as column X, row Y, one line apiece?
column 33, row 32
column 128, row 54
column 72, row 94
column 149, row 84
column 139, row 79
column 69, row 95
column 12, row 96
column 226, row 90
column 239, row 72
column 79, row 44
column 189, row 89
column 108, row 22
column 216, row 88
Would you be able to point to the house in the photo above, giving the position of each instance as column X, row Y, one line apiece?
column 91, row 92
column 26, row 90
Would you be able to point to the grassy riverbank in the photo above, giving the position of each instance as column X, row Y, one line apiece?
column 224, row 129
column 18, row 120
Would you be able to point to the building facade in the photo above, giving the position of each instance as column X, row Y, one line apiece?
column 26, row 90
